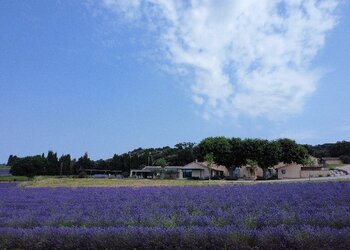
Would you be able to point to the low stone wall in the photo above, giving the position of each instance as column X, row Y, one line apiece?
column 314, row 173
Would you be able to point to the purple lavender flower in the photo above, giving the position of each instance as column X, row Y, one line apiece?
column 268, row 216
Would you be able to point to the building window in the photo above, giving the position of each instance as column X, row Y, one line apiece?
column 187, row 173
column 283, row 171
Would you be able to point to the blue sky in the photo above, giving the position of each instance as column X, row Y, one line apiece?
column 106, row 77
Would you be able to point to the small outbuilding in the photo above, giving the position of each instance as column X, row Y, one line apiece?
column 151, row 172
column 288, row 171
column 330, row 161
column 201, row 170
column 297, row 171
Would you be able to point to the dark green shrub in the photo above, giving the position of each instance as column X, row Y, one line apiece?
column 345, row 159
column 273, row 177
column 231, row 178
column 82, row 174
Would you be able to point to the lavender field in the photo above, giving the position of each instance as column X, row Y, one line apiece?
column 268, row 216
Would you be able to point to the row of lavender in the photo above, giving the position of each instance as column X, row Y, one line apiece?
column 314, row 215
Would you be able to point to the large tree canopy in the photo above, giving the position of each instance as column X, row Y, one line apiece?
column 292, row 152
column 220, row 147
column 29, row 166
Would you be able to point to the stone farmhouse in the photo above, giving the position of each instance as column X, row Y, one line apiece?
column 152, row 172
column 247, row 172
column 196, row 170
column 296, row 171
column 330, row 161
column 200, row 170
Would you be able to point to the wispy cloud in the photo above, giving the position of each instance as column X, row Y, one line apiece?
column 247, row 57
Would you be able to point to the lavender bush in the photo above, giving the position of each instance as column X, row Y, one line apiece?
column 4, row 172
column 268, row 216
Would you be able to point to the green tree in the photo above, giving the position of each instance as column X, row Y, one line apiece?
column 209, row 159
column 184, row 153
column 237, row 152
column 12, row 160
column 53, row 166
column 253, row 149
column 126, row 162
column 345, row 159
column 115, row 163
column 73, row 170
column 65, row 164
column 269, row 155
column 292, row 152
column 101, row 165
column 253, row 165
column 29, row 166
column 220, row 147
column 83, row 163
column 340, row 148
column 308, row 162
column 162, row 163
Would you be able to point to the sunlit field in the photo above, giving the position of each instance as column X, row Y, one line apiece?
column 270, row 216
column 49, row 181
column 91, row 182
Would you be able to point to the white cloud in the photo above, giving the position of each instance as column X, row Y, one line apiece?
column 247, row 57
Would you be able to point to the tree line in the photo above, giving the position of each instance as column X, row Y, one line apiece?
column 230, row 152
column 51, row 164
column 339, row 149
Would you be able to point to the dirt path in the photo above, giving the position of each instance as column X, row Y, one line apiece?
column 346, row 168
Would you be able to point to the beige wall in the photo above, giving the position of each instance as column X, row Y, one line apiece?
column 226, row 173
column 314, row 173
column 223, row 170
column 335, row 162
column 295, row 171
column 289, row 172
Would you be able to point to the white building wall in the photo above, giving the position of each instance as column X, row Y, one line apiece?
column 196, row 173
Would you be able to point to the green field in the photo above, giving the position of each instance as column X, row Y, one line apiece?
column 11, row 178
column 46, row 181
column 91, row 182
